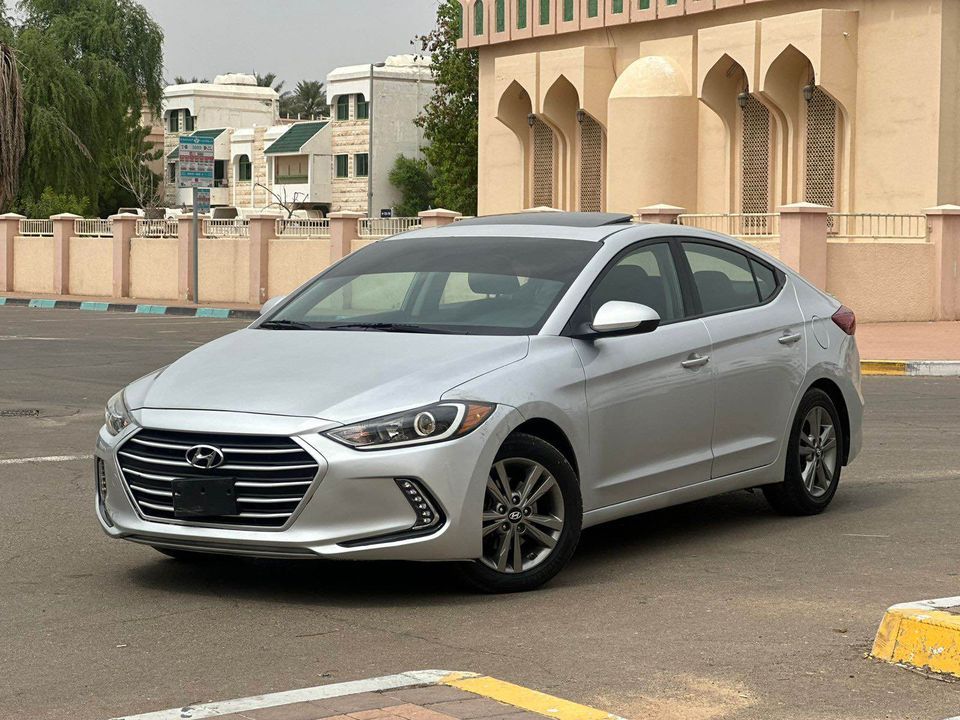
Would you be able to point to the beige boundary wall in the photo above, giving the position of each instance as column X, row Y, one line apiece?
column 911, row 279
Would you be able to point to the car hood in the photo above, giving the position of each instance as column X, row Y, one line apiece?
column 334, row 375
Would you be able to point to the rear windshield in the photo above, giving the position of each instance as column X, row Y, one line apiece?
column 465, row 285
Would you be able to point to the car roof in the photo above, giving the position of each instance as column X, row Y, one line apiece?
column 551, row 219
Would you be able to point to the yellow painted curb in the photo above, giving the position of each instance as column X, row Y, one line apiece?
column 524, row 698
column 883, row 367
column 924, row 635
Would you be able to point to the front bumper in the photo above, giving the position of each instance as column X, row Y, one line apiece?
column 353, row 509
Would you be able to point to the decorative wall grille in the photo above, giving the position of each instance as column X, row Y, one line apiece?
column 543, row 164
column 755, row 160
column 591, row 165
column 820, row 175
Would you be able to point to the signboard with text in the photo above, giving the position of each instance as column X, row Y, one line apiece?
column 386, row 213
column 195, row 162
column 202, row 200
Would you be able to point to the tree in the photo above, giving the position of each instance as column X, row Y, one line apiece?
column 87, row 68
column 286, row 97
column 53, row 203
column 181, row 80
column 449, row 120
column 132, row 174
column 412, row 177
column 310, row 99
column 12, row 146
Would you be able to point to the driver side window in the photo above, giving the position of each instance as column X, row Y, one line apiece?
column 647, row 276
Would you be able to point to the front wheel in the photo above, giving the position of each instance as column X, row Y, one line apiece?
column 532, row 514
column 814, row 459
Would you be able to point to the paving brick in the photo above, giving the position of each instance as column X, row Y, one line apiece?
column 519, row 715
column 417, row 712
column 430, row 695
column 382, row 714
column 293, row 711
column 352, row 703
column 476, row 708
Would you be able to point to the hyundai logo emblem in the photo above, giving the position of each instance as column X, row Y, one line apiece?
column 205, row 457
column 515, row 516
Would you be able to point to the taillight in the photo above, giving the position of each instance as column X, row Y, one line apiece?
column 846, row 320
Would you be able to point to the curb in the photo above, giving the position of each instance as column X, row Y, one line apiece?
column 922, row 635
column 911, row 368
column 519, row 697
column 96, row 306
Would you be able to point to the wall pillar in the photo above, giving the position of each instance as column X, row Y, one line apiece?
column 944, row 224
column 344, row 229
column 803, row 240
column 185, row 257
column 124, row 228
column 9, row 229
column 437, row 218
column 263, row 229
column 63, row 229
column 665, row 214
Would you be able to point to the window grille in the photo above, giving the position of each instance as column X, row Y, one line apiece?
column 521, row 14
column 755, row 158
column 593, row 8
column 543, row 162
column 591, row 165
column 567, row 10
column 501, row 12
column 478, row 18
column 544, row 12
column 820, row 174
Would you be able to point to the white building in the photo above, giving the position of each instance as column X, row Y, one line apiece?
column 401, row 88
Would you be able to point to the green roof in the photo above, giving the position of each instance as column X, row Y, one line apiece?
column 295, row 138
column 213, row 133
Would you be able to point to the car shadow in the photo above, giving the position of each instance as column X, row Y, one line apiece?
column 630, row 542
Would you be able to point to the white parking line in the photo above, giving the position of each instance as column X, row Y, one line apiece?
column 45, row 458
column 323, row 692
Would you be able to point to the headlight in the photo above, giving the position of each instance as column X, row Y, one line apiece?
column 116, row 416
column 430, row 424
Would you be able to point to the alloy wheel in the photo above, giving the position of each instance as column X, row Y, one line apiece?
column 522, row 515
column 818, row 451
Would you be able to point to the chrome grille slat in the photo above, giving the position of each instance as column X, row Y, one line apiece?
column 272, row 476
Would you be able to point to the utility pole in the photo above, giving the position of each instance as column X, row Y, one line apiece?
column 370, row 113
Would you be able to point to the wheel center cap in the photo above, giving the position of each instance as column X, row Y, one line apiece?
column 819, row 452
column 515, row 515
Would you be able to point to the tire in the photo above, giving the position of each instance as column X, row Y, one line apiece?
column 544, row 513
column 814, row 464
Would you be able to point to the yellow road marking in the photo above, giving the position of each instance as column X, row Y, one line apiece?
column 526, row 699
column 883, row 367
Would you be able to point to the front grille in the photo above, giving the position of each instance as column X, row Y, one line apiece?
column 272, row 474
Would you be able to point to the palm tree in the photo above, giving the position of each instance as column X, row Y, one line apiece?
column 13, row 146
column 181, row 80
column 310, row 99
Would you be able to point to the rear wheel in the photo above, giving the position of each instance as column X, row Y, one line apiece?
column 532, row 514
column 814, row 459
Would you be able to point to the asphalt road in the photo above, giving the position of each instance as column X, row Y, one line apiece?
column 717, row 609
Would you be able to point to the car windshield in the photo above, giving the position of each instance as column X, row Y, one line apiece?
column 463, row 285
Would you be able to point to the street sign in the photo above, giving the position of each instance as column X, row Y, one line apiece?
column 195, row 162
column 386, row 213
column 201, row 198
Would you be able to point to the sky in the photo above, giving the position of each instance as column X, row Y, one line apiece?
column 296, row 39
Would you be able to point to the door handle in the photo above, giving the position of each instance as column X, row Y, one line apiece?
column 789, row 338
column 695, row 361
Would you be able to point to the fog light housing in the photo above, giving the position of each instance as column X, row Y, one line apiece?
column 101, row 479
column 428, row 515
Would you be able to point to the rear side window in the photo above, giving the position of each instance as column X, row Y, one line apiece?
column 726, row 279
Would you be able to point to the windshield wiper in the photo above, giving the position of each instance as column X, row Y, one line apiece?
column 390, row 327
column 285, row 325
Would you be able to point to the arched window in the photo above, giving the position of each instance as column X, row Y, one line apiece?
column 591, row 165
column 343, row 107
column 755, row 158
column 500, row 8
column 478, row 18
column 460, row 22
column 544, row 152
column 593, row 8
column 244, row 169
column 567, row 10
column 521, row 14
column 820, row 158
column 544, row 12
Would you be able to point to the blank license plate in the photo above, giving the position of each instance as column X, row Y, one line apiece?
column 204, row 497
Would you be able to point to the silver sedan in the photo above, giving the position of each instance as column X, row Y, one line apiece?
column 483, row 392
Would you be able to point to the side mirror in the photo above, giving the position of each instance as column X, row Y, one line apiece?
column 271, row 304
column 617, row 316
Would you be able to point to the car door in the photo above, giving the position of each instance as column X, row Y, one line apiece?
column 758, row 351
column 649, row 396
